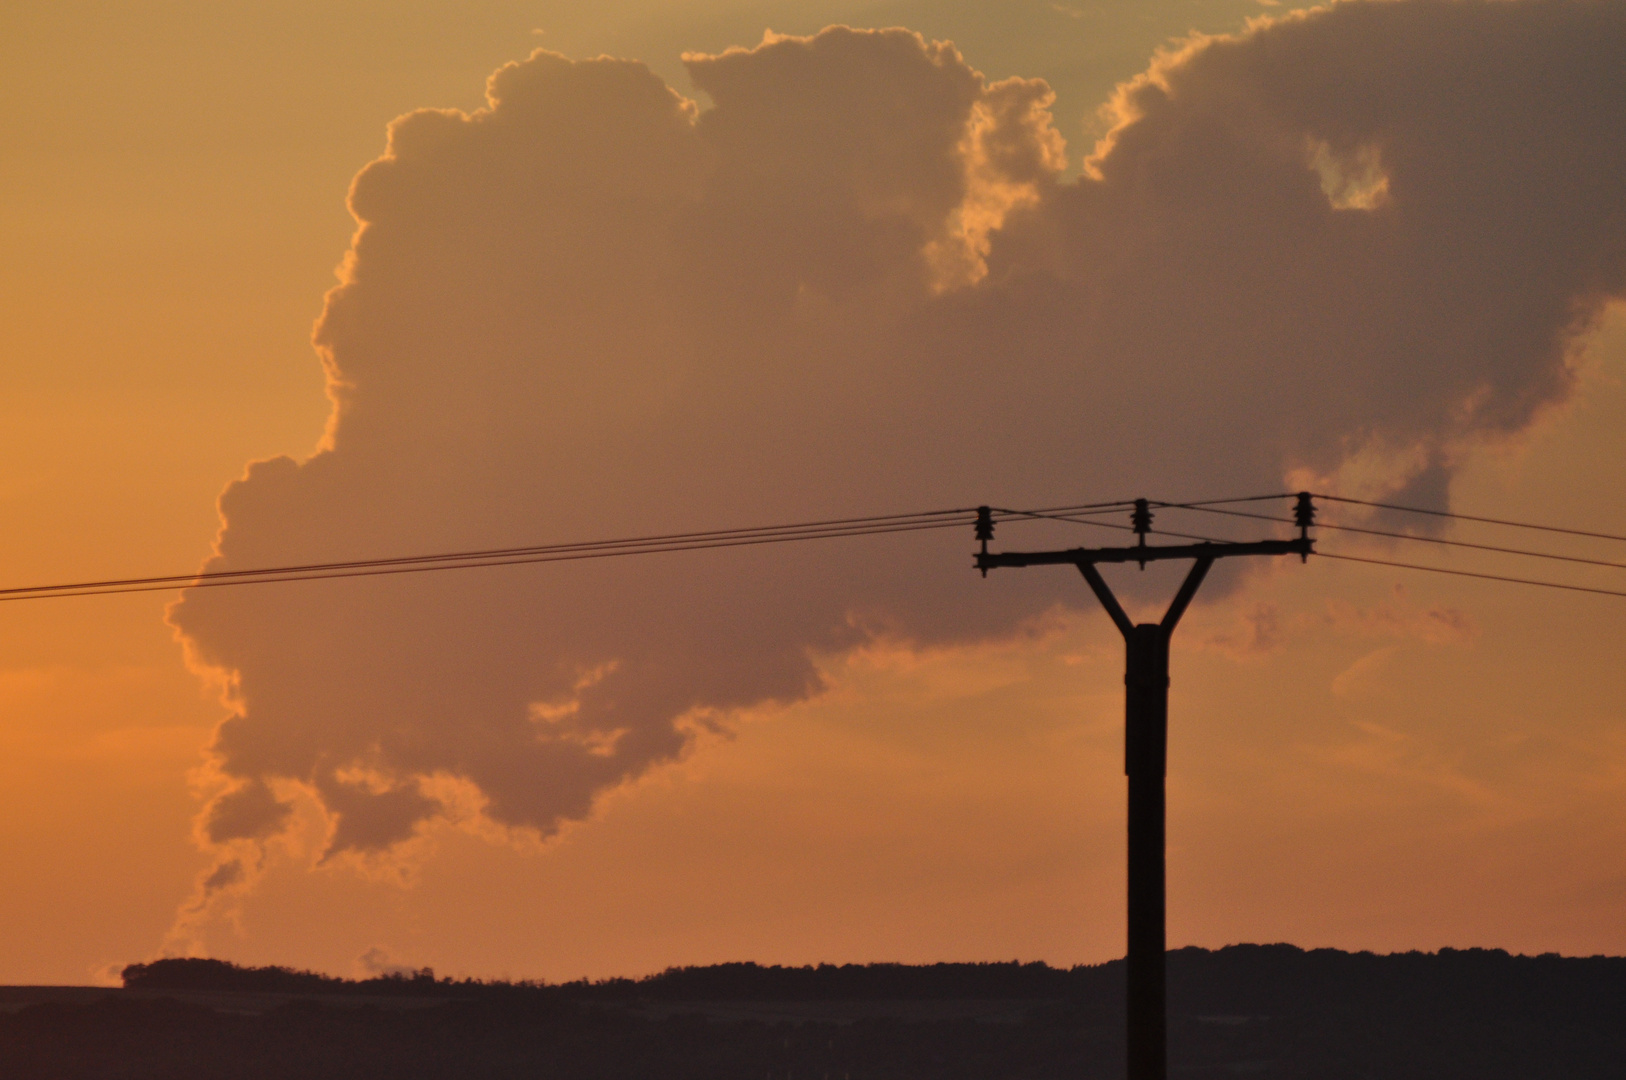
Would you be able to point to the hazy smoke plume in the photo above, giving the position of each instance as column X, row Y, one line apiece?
column 1345, row 246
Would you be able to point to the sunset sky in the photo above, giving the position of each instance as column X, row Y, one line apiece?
column 770, row 265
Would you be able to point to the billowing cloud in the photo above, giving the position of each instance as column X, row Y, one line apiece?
column 1346, row 245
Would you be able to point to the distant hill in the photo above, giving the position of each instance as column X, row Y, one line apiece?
column 1271, row 1011
column 725, row 982
column 1253, row 980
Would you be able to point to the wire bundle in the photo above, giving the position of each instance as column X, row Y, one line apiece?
column 838, row 528
column 514, row 556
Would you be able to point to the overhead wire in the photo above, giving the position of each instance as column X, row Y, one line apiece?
column 833, row 528
column 1210, row 504
column 1065, row 515
column 1401, row 536
column 1221, row 502
column 1471, row 517
column 1050, row 516
column 1472, row 574
column 1076, row 520
column 675, row 542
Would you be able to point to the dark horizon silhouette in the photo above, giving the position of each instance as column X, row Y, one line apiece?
column 1262, row 1010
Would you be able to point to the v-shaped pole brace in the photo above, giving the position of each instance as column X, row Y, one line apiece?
column 1146, row 740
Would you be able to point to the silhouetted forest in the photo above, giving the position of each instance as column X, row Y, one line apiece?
column 1270, row 1011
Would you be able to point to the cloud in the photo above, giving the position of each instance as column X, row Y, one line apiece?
column 248, row 812
column 1255, row 632
column 236, row 870
column 861, row 281
column 1435, row 625
column 1358, row 677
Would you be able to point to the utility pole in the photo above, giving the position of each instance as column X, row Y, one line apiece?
column 1146, row 736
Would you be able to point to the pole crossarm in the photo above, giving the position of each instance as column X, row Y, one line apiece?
column 1142, row 553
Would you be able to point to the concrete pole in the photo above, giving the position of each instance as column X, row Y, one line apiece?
column 1146, row 738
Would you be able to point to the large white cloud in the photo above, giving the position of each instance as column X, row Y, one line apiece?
column 862, row 281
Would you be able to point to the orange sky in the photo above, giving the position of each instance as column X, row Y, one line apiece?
column 1405, row 761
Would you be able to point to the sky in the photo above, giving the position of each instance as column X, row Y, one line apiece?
column 299, row 283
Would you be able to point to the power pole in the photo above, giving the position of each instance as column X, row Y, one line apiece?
column 1146, row 737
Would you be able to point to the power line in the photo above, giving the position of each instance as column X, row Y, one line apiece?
column 1471, row 517
column 835, row 528
column 502, row 557
column 1050, row 516
column 1334, row 555
column 1221, row 502
column 1401, row 536
column 791, row 531
column 1472, row 574
column 1064, row 514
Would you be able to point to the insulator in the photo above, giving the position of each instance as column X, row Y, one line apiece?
column 1142, row 517
column 985, row 523
column 1304, row 511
